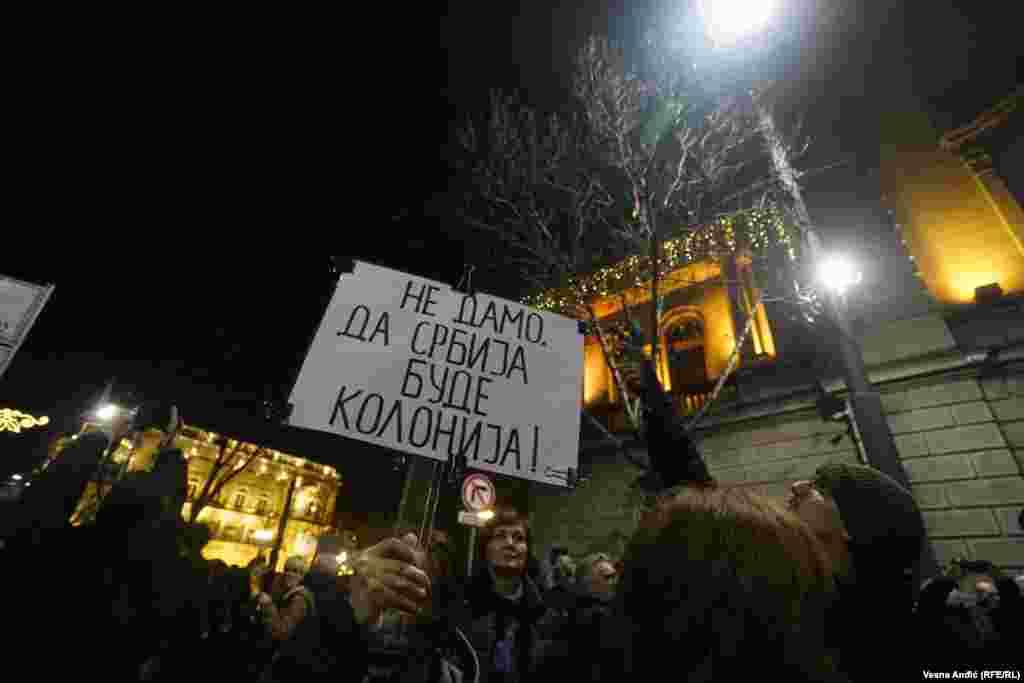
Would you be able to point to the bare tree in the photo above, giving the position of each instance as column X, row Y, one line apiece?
column 648, row 165
column 674, row 151
column 233, row 457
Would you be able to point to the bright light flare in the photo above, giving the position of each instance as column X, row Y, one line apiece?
column 107, row 412
column 263, row 534
column 485, row 514
column 838, row 274
column 728, row 21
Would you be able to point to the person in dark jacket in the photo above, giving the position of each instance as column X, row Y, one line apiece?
column 506, row 614
column 429, row 648
column 562, row 596
column 309, row 654
column 970, row 617
column 872, row 529
column 50, row 502
column 869, row 525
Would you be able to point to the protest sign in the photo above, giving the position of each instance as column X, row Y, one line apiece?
column 20, row 304
column 407, row 363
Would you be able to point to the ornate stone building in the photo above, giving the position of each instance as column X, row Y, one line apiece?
column 276, row 494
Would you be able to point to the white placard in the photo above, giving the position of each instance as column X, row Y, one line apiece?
column 20, row 304
column 17, row 299
column 407, row 363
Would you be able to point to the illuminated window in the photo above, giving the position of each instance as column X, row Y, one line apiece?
column 239, row 501
column 684, row 347
column 262, row 506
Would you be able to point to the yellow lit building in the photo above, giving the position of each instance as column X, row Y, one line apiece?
column 706, row 303
column 246, row 516
column 963, row 228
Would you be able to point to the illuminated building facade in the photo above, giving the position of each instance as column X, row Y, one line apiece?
column 953, row 208
column 245, row 517
column 946, row 358
column 708, row 292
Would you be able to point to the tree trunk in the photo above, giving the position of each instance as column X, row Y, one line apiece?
column 282, row 524
column 655, row 282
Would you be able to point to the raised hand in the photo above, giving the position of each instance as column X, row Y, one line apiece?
column 390, row 575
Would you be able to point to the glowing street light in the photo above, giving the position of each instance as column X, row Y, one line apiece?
column 727, row 21
column 16, row 477
column 107, row 412
column 838, row 274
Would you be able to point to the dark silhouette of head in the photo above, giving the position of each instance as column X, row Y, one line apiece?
column 724, row 579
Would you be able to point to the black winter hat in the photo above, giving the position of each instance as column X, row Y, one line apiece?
column 881, row 516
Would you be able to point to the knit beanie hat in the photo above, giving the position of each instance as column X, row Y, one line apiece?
column 881, row 516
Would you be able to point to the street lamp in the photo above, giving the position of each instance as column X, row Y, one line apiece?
column 108, row 412
column 727, row 21
column 865, row 403
column 838, row 274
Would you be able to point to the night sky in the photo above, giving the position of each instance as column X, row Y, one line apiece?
column 186, row 180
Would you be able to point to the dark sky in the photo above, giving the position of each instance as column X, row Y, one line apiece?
column 186, row 179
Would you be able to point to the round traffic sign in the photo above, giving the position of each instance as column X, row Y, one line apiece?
column 478, row 492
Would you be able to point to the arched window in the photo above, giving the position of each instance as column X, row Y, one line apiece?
column 683, row 338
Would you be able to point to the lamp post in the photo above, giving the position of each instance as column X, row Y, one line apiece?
column 728, row 21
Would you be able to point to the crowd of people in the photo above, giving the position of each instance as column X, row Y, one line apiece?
column 716, row 583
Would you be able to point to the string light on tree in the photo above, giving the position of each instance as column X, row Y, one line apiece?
column 759, row 230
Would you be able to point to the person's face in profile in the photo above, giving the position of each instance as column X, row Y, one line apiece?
column 816, row 509
column 603, row 578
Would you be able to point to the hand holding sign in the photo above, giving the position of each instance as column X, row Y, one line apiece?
column 390, row 575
